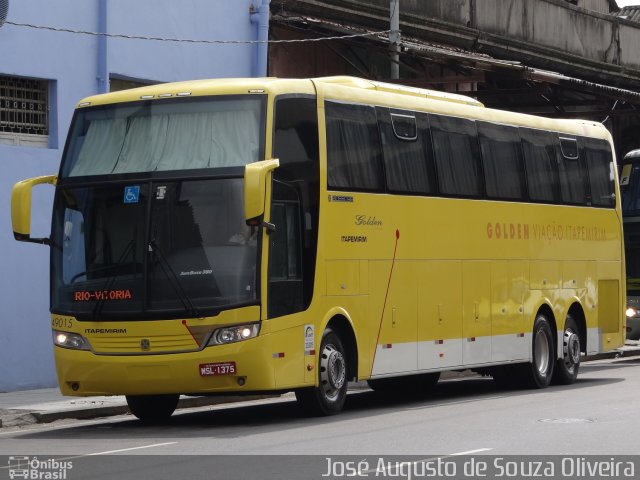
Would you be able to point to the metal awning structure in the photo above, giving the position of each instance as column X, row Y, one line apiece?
column 497, row 83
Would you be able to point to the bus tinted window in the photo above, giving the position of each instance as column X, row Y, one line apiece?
column 572, row 175
column 502, row 161
column 353, row 147
column 457, row 156
column 600, row 166
column 540, row 165
column 408, row 162
column 296, row 134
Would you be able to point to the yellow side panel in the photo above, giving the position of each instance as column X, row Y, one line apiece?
column 440, row 313
column 508, row 286
column 608, row 312
column 343, row 277
column 610, row 319
column 574, row 274
column 476, row 326
column 287, row 356
column 396, row 347
column 544, row 275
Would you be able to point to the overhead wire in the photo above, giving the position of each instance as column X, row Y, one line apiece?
column 190, row 40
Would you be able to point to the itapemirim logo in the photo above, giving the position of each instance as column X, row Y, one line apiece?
column 35, row 469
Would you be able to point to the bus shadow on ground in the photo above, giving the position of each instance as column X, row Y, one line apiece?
column 240, row 420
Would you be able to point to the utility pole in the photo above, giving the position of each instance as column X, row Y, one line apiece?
column 103, row 58
column 394, row 38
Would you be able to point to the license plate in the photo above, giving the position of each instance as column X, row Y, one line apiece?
column 222, row 368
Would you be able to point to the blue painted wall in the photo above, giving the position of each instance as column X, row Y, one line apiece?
column 72, row 62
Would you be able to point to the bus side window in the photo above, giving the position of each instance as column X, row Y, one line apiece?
column 572, row 173
column 353, row 148
column 457, row 155
column 600, row 167
column 295, row 141
column 501, row 161
column 408, row 155
column 540, row 165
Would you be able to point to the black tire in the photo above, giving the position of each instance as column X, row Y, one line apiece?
column 153, row 408
column 421, row 383
column 567, row 367
column 329, row 396
column 539, row 372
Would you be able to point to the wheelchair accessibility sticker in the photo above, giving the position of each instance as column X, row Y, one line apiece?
column 132, row 194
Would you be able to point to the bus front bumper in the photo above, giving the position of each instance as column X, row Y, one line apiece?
column 232, row 368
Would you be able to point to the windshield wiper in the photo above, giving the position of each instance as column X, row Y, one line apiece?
column 111, row 278
column 174, row 280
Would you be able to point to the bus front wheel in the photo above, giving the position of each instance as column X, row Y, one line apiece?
column 329, row 396
column 152, row 408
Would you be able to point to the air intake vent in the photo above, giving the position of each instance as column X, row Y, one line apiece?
column 4, row 10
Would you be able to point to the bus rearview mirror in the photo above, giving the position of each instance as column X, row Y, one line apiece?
column 21, row 207
column 257, row 177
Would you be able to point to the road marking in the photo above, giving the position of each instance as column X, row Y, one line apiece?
column 470, row 452
column 109, row 452
column 129, row 449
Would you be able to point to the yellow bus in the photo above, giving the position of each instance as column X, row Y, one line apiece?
column 274, row 235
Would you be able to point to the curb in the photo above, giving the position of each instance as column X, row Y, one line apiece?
column 630, row 350
column 18, row 417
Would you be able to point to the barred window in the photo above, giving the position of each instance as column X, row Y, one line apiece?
column 24, row 111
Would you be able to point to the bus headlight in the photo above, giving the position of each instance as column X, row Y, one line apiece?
column 73, row 341
column 233, row 334
column 631, row 312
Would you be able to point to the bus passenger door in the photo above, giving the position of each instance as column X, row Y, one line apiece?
column 285, row 267
column 285, row 286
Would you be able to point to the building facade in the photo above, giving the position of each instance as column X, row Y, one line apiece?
column 50, row 59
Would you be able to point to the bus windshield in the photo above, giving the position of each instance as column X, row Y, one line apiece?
column 158, row 248
column 148, row 216
column 630, row 192
column 630, row 189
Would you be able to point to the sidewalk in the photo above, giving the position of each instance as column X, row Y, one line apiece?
column 48, row 405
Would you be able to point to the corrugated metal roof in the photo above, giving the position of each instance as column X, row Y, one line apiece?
column 476, row 60
column 630, row 13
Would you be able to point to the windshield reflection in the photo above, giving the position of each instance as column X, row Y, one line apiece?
column 174, row 248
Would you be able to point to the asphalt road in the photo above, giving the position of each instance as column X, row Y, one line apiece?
column 599, row 415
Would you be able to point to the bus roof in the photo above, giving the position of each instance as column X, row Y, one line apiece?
column 399, row 89
column 350, row 89
column 242, row 85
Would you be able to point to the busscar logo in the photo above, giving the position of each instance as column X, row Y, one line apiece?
column 36, row 469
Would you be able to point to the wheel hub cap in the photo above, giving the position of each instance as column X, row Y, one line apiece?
column 336, row 370
column 571, row 348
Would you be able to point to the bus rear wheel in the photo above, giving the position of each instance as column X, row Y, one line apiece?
column 538, row 373
column 329, row 396
column 153, row 408
column 566, row 369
